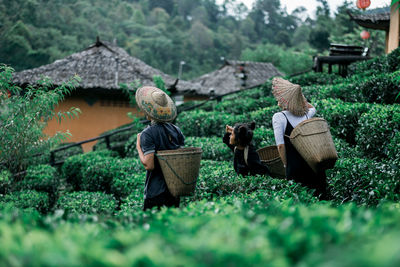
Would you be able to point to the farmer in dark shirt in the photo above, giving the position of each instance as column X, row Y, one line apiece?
column 160, row 135
column 246, row 160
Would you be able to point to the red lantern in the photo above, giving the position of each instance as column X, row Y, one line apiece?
column 365, row 35
column 363, row 4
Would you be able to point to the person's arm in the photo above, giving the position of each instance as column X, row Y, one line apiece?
column 282, row 154
column 148, row 159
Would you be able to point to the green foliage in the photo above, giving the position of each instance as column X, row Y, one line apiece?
column 160, row 84
column 86, row 203
column 23, row 117
column 27, row 199
column 239, row 105
column 316, row 78
column 377, row 128
column 263, row 117
column 202, row 123
column 213, row 147
column 73, row 167
column 342, row 117
column 5, row 181
column 121, row 142
column 363, row 181
column 40, row 178
column 374, row 88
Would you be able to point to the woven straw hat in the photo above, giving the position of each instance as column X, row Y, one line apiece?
column 155, row 103
column 290, row 97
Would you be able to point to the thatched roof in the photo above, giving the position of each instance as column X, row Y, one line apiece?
column 376, row 21
column 102, row 65
column 228, row 78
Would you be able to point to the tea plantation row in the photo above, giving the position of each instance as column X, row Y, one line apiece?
column 88, row 211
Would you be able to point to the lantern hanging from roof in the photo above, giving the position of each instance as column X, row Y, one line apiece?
column 365, row 35
column 363, row 4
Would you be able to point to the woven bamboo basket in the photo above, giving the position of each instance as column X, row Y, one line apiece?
column 181, row 169
column 313, row 140
column 269, row 156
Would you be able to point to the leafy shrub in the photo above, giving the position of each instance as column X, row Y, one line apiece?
column 219, row 179
column 73, row 166
column 263, row 136
column 363, row 181
column 242, row 105
column 66, row 153
column 24, row 115
column 374, row 88
column 131, row 176
column 263, row 117
column 118, row 141
column 213, row 147
column 5, row 181
column 376, row 129
column 202, row 123
column 316, row 78
column 87, row 203
column 393, row 60
column 40, row 178
column 377, row 64
column 28, row 199
column 342, row 117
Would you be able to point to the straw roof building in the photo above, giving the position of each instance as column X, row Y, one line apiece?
column 234, row 76
column 101, row 67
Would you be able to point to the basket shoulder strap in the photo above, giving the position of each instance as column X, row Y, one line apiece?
column 287, row 120
column 246, row 154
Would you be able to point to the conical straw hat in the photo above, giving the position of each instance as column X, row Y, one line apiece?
column 290, row 97
column 155, row 103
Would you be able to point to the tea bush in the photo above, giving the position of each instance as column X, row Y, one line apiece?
column 213, row 147
column 203, row 123
column 40, row 178
column 316, row 78
column 375, row 88
column 5, row 181
column 242, row 105
column 363, row 181
column 263, row 117
column 376, row 130
column 27, row 199
column 342, row 117
column 132, row 175
column 118, row 141
column 263, row 136
column 73, row 166
column 83, row 202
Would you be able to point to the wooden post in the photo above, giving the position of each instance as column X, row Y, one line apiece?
column 386, row 41
column 394, row 29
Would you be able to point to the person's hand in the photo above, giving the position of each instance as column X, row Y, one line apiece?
column 228, row 129
column 138, row 141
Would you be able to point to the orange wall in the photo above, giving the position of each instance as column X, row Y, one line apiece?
column 95, row 119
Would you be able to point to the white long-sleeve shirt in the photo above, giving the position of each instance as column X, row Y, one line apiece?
column 279, row 123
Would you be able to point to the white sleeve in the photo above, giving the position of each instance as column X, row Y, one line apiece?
column 311, row 112
column 279, row 124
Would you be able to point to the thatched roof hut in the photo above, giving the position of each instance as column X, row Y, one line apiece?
column 376, row 21
column 234, row 76
column 104, row 66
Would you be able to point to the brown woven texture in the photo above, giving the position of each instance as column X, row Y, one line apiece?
column 313, row 140
column 290, row 96
column 269, row 156
column 184, row 162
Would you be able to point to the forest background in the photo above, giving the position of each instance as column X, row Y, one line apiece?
column 163, row 33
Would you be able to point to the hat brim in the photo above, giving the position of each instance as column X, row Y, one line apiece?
column 155, row 111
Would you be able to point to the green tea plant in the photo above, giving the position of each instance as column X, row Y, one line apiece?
column 23, row 117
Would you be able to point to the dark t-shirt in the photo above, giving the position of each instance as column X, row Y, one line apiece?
column 158, row 136
column 253, row 166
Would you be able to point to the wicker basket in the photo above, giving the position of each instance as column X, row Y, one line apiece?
column 181, row 169
column 313, row 140
column 269, row 156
